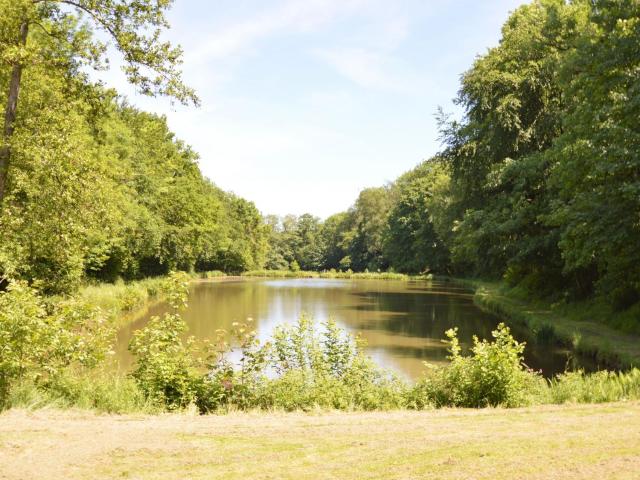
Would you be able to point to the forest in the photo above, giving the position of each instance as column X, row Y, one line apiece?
column 537, row 183
column 91, row 187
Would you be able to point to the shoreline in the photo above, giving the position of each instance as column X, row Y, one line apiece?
column 606, row 345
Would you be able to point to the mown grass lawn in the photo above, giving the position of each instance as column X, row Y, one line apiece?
column 568, row 442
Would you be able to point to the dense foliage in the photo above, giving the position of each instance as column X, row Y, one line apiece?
column 493, row 375
column 94, row 187
column 538, row 182
column 41, row 339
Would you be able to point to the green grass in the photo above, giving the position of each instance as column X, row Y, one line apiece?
column 210, row 274
column 598, row 387
column 585, row 327
column 120, row 298
column 87, row 390
column 333, row 274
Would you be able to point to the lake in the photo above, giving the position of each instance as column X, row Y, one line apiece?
column 403, row 322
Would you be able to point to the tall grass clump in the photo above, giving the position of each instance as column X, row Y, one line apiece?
column 102, row 392
column 118, row 298
column 211, row 274
column 597, row 387
column 281, row 274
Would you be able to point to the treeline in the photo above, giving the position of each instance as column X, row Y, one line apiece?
column 94, row 187
column 538, row 183
column 388, row 228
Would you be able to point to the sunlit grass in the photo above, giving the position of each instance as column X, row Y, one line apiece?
column 569, row 442
column 120, row 297
column 333, row 274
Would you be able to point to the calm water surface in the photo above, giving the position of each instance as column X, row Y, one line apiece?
column 402, row 321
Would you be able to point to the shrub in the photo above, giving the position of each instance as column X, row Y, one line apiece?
column 326, row 369
column 226, row 382
column 493, row 375
column 166, row 369
column 39, row 340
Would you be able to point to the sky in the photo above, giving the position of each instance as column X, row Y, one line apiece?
column 307, row 102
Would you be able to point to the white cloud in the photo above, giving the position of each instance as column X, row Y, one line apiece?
column 369, row 57
column 373, row 69
column 293, row 15
column 363, row 67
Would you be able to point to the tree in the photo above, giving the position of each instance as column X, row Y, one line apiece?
column 411, row 243
column 514, row 106
column 369, row 223
column 135, row 27
column 596, row 160
column 332, row 240
column 309, row 255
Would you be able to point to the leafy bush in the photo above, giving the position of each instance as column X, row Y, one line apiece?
column 493, row 375
column 327, row 369
column 233, row 383
column 39, row 339
column 166, row 369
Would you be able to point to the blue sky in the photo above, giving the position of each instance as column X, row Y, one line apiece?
column 306, row 102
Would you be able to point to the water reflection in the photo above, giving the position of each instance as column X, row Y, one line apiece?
column 402, row 322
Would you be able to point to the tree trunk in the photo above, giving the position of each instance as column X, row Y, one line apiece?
column 10, row 115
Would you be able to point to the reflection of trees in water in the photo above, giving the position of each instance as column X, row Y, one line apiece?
column 424, row 315
column 402, row 322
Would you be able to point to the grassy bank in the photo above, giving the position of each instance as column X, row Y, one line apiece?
column 333, row 274
column 569, row 442
column 585, row 328
column 121, row 299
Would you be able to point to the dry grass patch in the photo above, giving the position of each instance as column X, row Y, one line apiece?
column 569, row 442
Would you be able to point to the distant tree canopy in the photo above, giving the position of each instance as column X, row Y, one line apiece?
column 538, row 183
